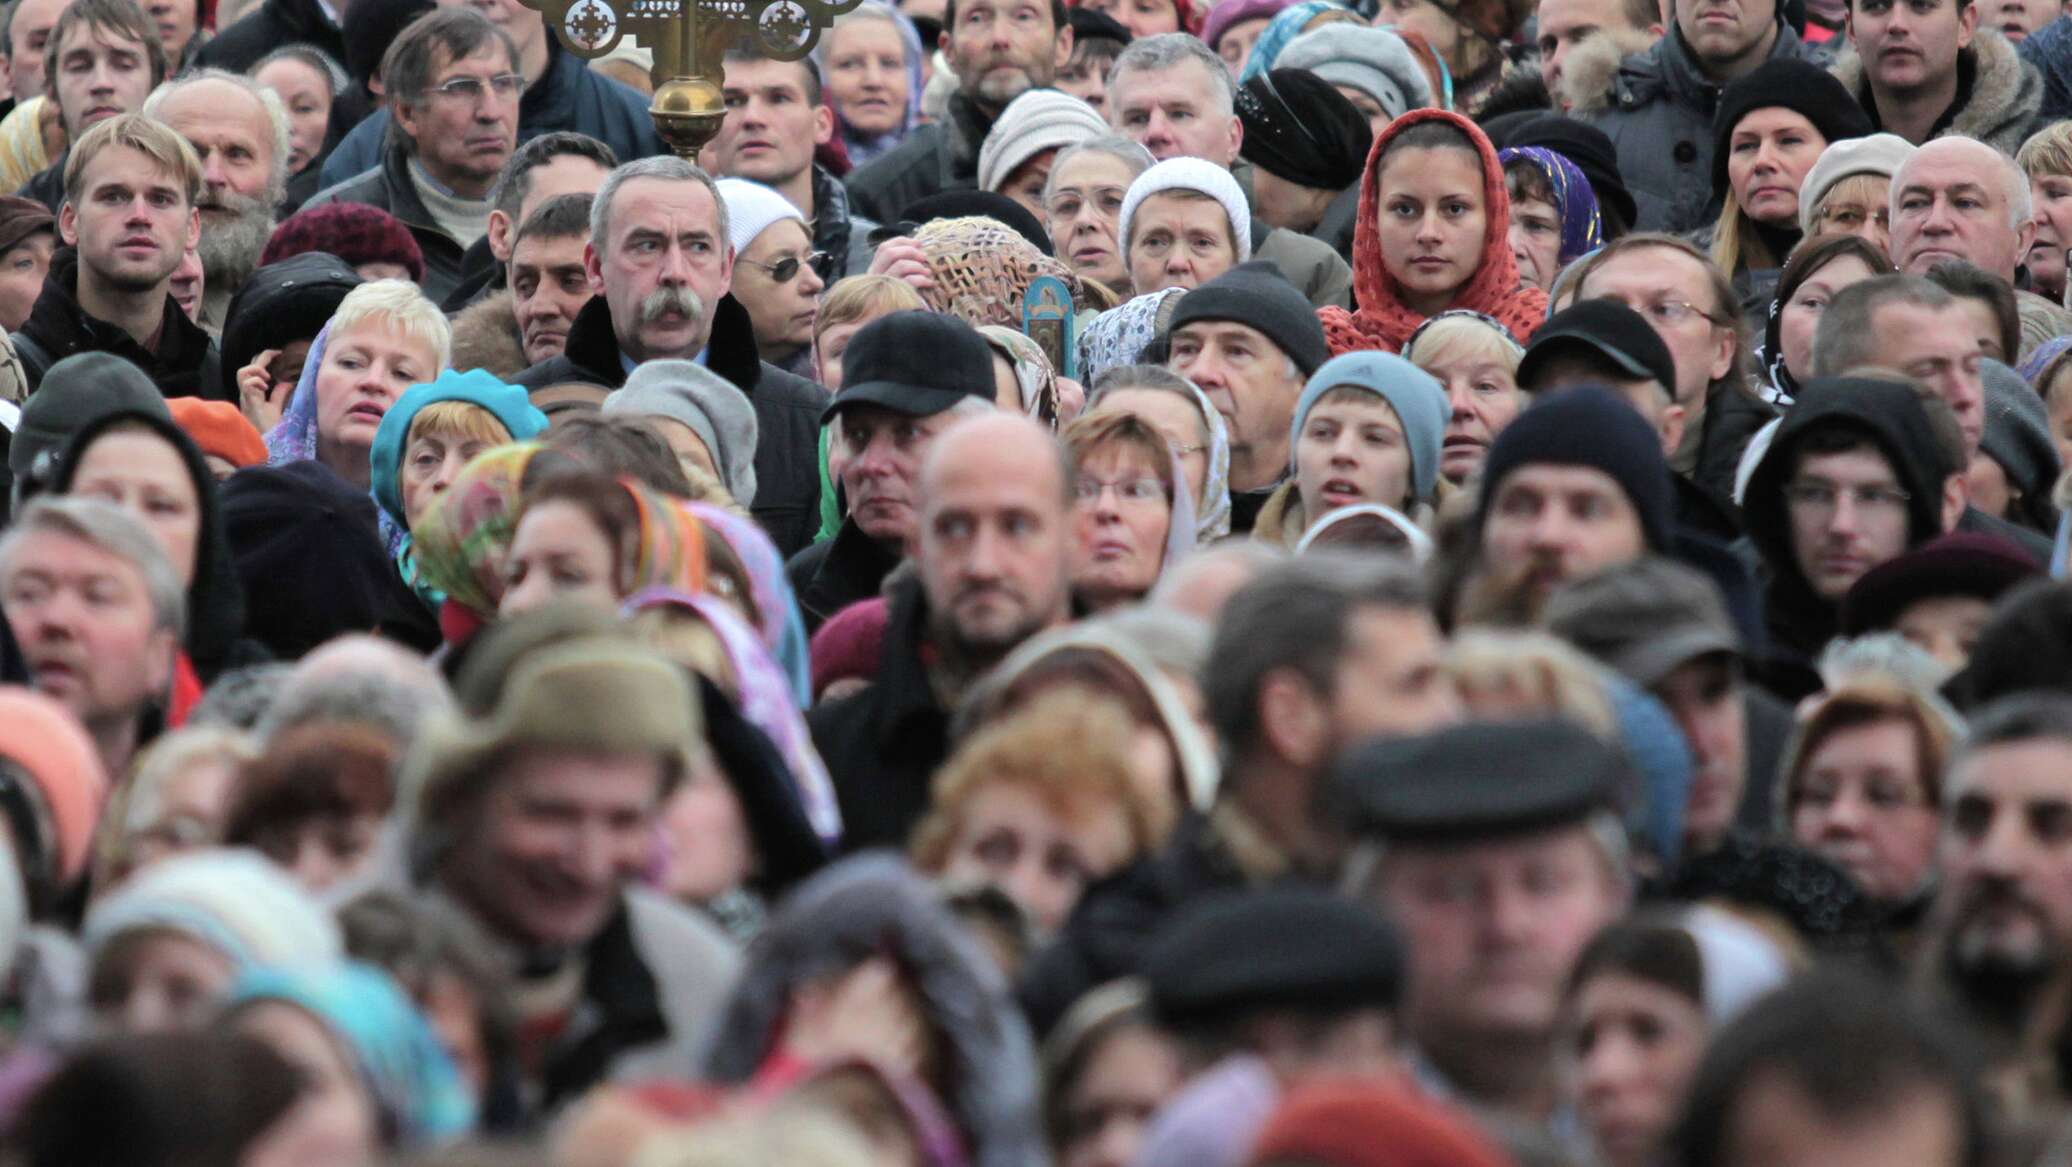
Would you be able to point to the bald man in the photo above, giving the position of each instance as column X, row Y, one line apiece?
column 242, row 140
column 992, row 544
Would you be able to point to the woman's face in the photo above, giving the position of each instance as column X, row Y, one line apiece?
column 1235, row 45
column 1536, row 241
column 557, row 552
column 1800, row 316
column 1120, row 522
column 1370, row 107
column 1177, row 420
column 1085, row 207
column 333, row 1122
column 1142, row 17
column 323, row 851
column 1861, row 801
column 1179, row 241
column 1635, row 1044
column 781, row 311
column 1352, row 450
column 365, row 369
column 867, row 77
column 430, row 464
column 158, row 981
column 1482, row 391
column 143, row 474
column 308, row 98
column 1859, row 205
column 1025, row 184
column 1768, row 155
column 1012, row 839
column 1430, row 21
column 706, row 836
column 1432, row 223
column 1108, row 1108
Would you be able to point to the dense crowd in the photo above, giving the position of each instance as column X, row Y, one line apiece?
column 1155, row 583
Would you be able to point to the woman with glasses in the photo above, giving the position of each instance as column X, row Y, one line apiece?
column 1082, row 203
column 1131, row 512
column 1367, row 432
column 773, row 272
column 1198, row 435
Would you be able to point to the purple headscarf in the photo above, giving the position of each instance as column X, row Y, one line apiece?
column 294, row 437
column 1582, row 225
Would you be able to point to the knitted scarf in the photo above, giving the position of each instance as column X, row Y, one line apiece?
column 1384, row 321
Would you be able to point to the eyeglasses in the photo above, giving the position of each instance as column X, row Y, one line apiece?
column 469, row 90
column 1066, row 204
column 1819, row 499
column 1134, row 491
column 1670, row 313
column 784, row 269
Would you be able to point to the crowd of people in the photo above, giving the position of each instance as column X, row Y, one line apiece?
column 1152, row 583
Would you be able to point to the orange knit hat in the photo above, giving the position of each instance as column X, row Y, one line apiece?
column 1351, row 1123
column 220, row 429
column 46, row 741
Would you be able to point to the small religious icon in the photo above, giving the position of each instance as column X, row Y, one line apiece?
column 1049, row 320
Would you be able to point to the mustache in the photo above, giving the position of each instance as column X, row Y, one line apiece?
column 662, row 301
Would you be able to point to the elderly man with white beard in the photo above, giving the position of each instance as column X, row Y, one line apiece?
column 660, row 267
column 239, row 129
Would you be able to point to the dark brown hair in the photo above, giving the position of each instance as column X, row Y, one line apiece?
column 319, row 771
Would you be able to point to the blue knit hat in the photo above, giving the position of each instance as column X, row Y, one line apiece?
column 507, row 403
column 1419, row 401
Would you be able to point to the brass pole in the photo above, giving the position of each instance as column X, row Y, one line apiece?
column 688, row 106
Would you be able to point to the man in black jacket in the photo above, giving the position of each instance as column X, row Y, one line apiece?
column 999, row 50
column 661, row 266
column 109, row 290
column 274, row 23
column 993, row 543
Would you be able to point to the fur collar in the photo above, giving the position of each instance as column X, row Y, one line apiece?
column 486, row 336
column 1586, row 78
column 2004, row 90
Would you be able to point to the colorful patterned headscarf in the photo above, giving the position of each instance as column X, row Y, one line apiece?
column 1037, row 381
column 1582, row 224
column 777, row 609
column 294, row 437
column 462, row 540
column 672, row 542
column 1291, row 23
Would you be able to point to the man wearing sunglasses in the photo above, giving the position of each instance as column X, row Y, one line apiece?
column 454, row 83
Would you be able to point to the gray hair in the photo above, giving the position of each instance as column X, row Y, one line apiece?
column 668, row 168
column 111, row 530
column 1129, row 153
column 1170, row 49
column 2014, row 185
column 360, row 679
column 1844, row 339
column 269, row 103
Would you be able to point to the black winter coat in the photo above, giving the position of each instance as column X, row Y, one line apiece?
column 883, row 745
column 934, row 158
column 835, row 573
column 185, row 364
column 787, row 409
column 268, row 27
column 388, row 186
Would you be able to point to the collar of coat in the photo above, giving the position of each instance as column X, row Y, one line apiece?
column 1990, row 85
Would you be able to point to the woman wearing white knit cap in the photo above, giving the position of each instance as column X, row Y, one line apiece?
column 775, row 274
column 1184, row 222
column 1015, row 158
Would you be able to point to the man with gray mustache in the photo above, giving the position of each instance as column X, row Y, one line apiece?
column 660, row 266
column 2000, row 928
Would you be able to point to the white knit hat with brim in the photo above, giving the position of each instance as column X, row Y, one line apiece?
column 1038, row 120
column 1202, row 177
column 1877, row 154
column 751, row 209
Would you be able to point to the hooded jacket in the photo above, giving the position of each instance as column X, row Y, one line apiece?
column 1383, row 321
column 1657, row 109
column 934, row 158
column 388, row 187
column 1998, row 94
column 787, row 409
column 1799, row 621
column 215, row 599
column 185, row 364
column 274, row 23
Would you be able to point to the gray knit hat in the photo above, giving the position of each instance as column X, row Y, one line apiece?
column 1038, row 120
column 1374, row 61
column 76, row 392
column 703, row 400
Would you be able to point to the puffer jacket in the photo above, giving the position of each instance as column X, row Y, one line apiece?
column 1657, row 109
column 1998, row 94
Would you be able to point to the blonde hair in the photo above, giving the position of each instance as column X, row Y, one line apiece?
column 400, row 307
column 138, row 802
column 2048, row 152
column 1457, row 338
column 153, row 139
column 1735, row 242
column 1503, row 673
column 865, row 297
column 795, row 1134
column 1117, row 429
column 1870, row 189
column 1064, row 746
column 463, row 421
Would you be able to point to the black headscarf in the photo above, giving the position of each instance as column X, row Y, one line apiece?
column 1299, row 128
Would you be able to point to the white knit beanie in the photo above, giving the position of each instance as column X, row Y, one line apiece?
column 1876, row 154
column 1198, row 175
column 1038, row 120
column 751, row 209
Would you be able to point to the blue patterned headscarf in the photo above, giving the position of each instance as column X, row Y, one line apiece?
column 408, row 1074
column 1279, row 31
column 294, row 437
column 1582, row 225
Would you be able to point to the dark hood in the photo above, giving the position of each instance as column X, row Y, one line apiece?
column 215, row 600
column 282, row 302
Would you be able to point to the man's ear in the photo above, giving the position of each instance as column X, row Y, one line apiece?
column 1956, row 497
column 500, row 236
column 1967, row 24
column 593, row 268
column 1062, row 51
column 1291, row 719
column 406, row 117
column 1674, row 419
column 823, row 124
column 68, row 224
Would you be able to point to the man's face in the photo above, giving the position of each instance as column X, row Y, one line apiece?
column 664, row 268
column 883, row 468
column 560, row 175
column 84, row 620
column 1940, row 349
column 1252, row 383
column 2016, row 19
column 29, row 35
column 1390, row 681
column 555, row 840
column 1494, row 928
column 995, row 539
column 548, row 288
column 771, row 130
column 1550, row 524
column 1174, row 113
column 132, row 223
column 1907, row 47
column 1776, row 1124
column 100, row 74
column 1848, row 514
column 2006, row 858
column 230, row 133
column 1704, row 696
column 464, row 140
column 1000, row 49
column 1724, row 33
column 1653, row 281
column 1948, row 202
column 1565, row 24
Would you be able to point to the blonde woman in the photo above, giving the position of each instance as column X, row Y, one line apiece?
column 1475, row 359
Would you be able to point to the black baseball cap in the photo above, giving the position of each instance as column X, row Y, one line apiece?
column 916, row 363
column 1610, row 330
